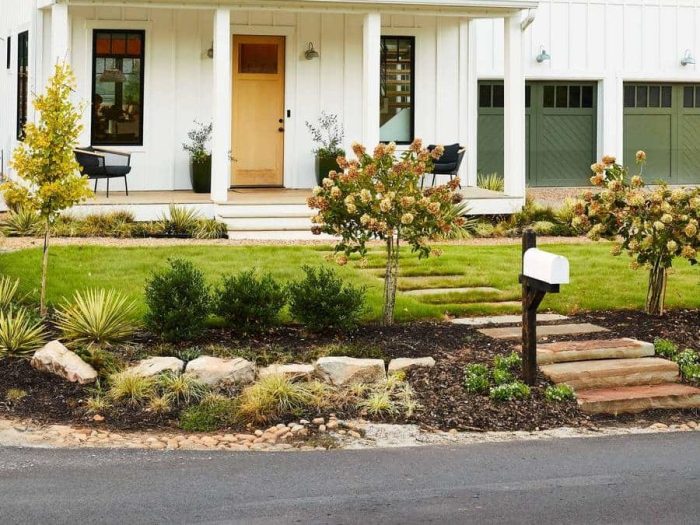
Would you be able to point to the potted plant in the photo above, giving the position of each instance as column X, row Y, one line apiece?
column 327, row 135
column 200, row 157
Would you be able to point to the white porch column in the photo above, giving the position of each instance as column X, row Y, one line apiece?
column 610, row 117
column 468, row 99
column 221, row 122
column 371, row 54
column 514, row 109
column 60, row 34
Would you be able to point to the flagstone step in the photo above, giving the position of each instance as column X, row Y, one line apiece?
column 607, row 373
column 631, row 399
column 439, row 291
column 505, row 319
column 567, row 351
column 515, row 332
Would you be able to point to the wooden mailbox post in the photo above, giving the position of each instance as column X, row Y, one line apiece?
column 542, row 272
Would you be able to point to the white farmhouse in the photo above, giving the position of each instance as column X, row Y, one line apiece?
column 535, row 91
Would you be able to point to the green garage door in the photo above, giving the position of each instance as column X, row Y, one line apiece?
column 664, row 121
column 560, row 131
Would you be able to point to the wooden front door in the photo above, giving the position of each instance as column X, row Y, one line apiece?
column 258, row 111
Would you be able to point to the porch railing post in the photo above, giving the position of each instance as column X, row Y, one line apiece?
column 371, row 47
column 514, row 109
column 221, row 122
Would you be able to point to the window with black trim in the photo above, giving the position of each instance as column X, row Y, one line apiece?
column 648, row 96
column 396, row 89
column 8, row 52
column 491, row 95
column 117, row 87
column 22, row 81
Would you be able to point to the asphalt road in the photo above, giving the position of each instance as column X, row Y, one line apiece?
column 628, row 479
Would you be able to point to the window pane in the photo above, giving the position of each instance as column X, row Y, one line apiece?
column 562, row 96
column 574, row 96
column 117, row 106
column 22, row 81
column 697, row 96
column 396, row 110
column 485, row 96
column 528, row 94
column 498, row 96
column 587, row 97
column 688, row 97
column 548, row 97
column 641, row 96
column 258, row 58
column 666, row 96
column 629, row 96
column 654, row 96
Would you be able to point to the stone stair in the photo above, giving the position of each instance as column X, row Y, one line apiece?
column 616, row 375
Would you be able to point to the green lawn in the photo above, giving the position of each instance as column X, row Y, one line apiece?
column 599, row 280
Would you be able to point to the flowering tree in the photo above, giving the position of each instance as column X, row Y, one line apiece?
column 653, row 225
column 50, row 179
column 379, row 197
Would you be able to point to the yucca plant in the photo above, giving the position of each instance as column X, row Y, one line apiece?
column 210, row 229
column 101, row 317
column 181, row 220
column 20, row 335
column 490, row 181
column 8, row 292
column 22, row 223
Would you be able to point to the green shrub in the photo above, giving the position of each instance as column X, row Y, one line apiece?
column 248, row 302
column 212, row 413
column 320, row 301
column 101, row 317
column 665, row 348
column 501, row 376
column 476, row 378
column 511, row 362
column 178, row 301
column 20, row 335
column 559, row 393
column 509, row 391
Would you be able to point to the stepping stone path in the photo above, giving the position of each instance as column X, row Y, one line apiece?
column 515, row 332
column 438, row 291
column 609, row 376
column 505, row 319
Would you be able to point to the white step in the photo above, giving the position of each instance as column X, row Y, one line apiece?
column 268, row 223
column 234, row 211
column 279, row 235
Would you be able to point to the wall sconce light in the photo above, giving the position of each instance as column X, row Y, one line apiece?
column 687, row 58
column 310, row 52
column 543, row 55
column 210, row 51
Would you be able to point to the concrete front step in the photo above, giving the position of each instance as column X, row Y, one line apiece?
column 515, row 332
column 567, row 351
column 279, row 235
column 631, row 399
column 606, row 373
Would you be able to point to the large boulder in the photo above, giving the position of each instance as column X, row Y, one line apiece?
column 404, row 364
column 291, row 371
column 57, row 359
column 154, row 366
column 217, row 372
column 346, row 370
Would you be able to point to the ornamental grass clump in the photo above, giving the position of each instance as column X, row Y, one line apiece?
column 379, row 197
column 8, row 292
column 653, row 226
column 99, row 317
column 181, row 388
column 20, row 334
column 127, row 387
column 271, row 398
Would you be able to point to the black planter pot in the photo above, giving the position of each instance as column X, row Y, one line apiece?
column 200, row 175
column 325, row 164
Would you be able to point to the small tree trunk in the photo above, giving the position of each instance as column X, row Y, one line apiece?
column 44, row 269
column 656, row 292
column 390, row 279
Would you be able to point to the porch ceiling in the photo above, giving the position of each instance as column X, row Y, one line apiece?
column 472, row 8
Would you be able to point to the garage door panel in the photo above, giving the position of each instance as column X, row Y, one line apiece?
column 653, row 134
column 565, row 149
column 689, row 149
column 490, row 144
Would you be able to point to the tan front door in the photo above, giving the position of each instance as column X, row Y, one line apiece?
column 258, row 111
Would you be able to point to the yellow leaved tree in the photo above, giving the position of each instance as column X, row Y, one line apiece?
column 48, row 176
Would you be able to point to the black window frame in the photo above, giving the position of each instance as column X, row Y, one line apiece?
column 8, row 51
column 22, row 68
column 142, row 57
column 412, row 40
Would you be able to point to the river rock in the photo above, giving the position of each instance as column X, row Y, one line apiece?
column 345, row 370
column 154, row 366
column 214, row 371
column 406, row 363
column 57, row 359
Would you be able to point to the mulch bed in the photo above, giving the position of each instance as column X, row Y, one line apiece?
column 445, row 403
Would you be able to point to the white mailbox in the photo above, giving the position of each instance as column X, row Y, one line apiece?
column 547, row 267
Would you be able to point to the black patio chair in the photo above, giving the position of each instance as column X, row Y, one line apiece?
column 99, row 164
column 448, row 163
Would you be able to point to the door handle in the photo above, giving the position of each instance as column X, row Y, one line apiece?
column 281, row 121
column 280, row 129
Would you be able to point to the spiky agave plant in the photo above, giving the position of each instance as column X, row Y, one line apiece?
column 181, row 220
column 101, row 317
column 490, row 181
column 22, row 223
column 8, row 292
column 20, row 335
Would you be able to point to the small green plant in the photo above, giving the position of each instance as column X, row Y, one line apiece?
column 178, row 301
column 181, row 221
column 126, row 387
column 8, row 292
column 100, row 317
column 212, row 413
column 559, row 393
column 22, row 223
column 501, row 376
column 511, row 362
column 490, row 181
column 687, row 357
column 181, row 388
column 476, row 378
column 378, row 404
column 271, row 398
column 321, row 301
column 691, row 371
column 352, row 350
column 665, row 348
column 15, row 395
column 509, row 391
column 160, row 404
column 210, row 229
column 20, row 335
column 97, row 404
column 189, row 354
column 248, row 302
